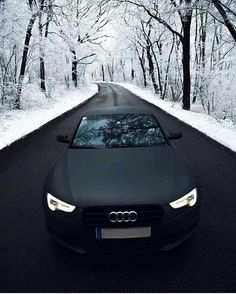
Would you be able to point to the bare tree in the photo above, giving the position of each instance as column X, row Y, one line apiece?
column 34, row 14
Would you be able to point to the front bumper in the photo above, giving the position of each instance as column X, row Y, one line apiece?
column 69, row 229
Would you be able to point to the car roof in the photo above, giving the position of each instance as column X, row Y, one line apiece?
column 116, row 110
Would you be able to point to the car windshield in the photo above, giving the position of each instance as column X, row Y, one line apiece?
column 118, row 130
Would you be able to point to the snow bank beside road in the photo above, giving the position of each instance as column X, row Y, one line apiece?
column 223, row 131
column 37, row 111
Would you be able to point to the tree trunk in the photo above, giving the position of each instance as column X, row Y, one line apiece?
column 122, row 64
column 142, row 64
column 132, row 70
column 110, row 69
column 49, row 17
column 132, row 74
column 151, row 69
column 197, row 62
column 24, row 60
column 15, row 67
column 42, row 74
column 186, row 60
column 41, row 50
column 67, row 74
column 227, row 21
column 74, row 69
column 103, row 73
column 167, row 69
column 143, row 71
column 159, row 72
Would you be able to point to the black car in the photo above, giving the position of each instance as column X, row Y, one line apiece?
column 120, row 185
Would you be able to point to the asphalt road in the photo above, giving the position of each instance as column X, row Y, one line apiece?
column 31, row 262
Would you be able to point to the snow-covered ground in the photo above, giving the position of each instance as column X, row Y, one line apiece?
column 37, row 111
column 223, row 131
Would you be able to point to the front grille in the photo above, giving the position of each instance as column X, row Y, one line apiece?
column 147, row 215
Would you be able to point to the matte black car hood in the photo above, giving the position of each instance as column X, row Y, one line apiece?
column 120, row 176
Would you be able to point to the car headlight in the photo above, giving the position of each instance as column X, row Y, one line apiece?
column 188, row 200
column 56, row 204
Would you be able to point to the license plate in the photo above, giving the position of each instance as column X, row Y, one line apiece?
column 123, row 233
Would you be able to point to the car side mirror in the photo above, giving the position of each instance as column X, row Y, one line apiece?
column 174, row 136
column 63, row 139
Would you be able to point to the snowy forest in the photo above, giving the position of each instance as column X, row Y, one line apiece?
column 185, row 50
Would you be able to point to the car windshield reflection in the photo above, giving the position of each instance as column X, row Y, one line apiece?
column 117, row 131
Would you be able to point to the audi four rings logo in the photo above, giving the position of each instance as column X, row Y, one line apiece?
column 123, row 216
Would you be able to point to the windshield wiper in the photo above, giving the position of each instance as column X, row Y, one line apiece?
column 127, row 128
column 85, row 147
